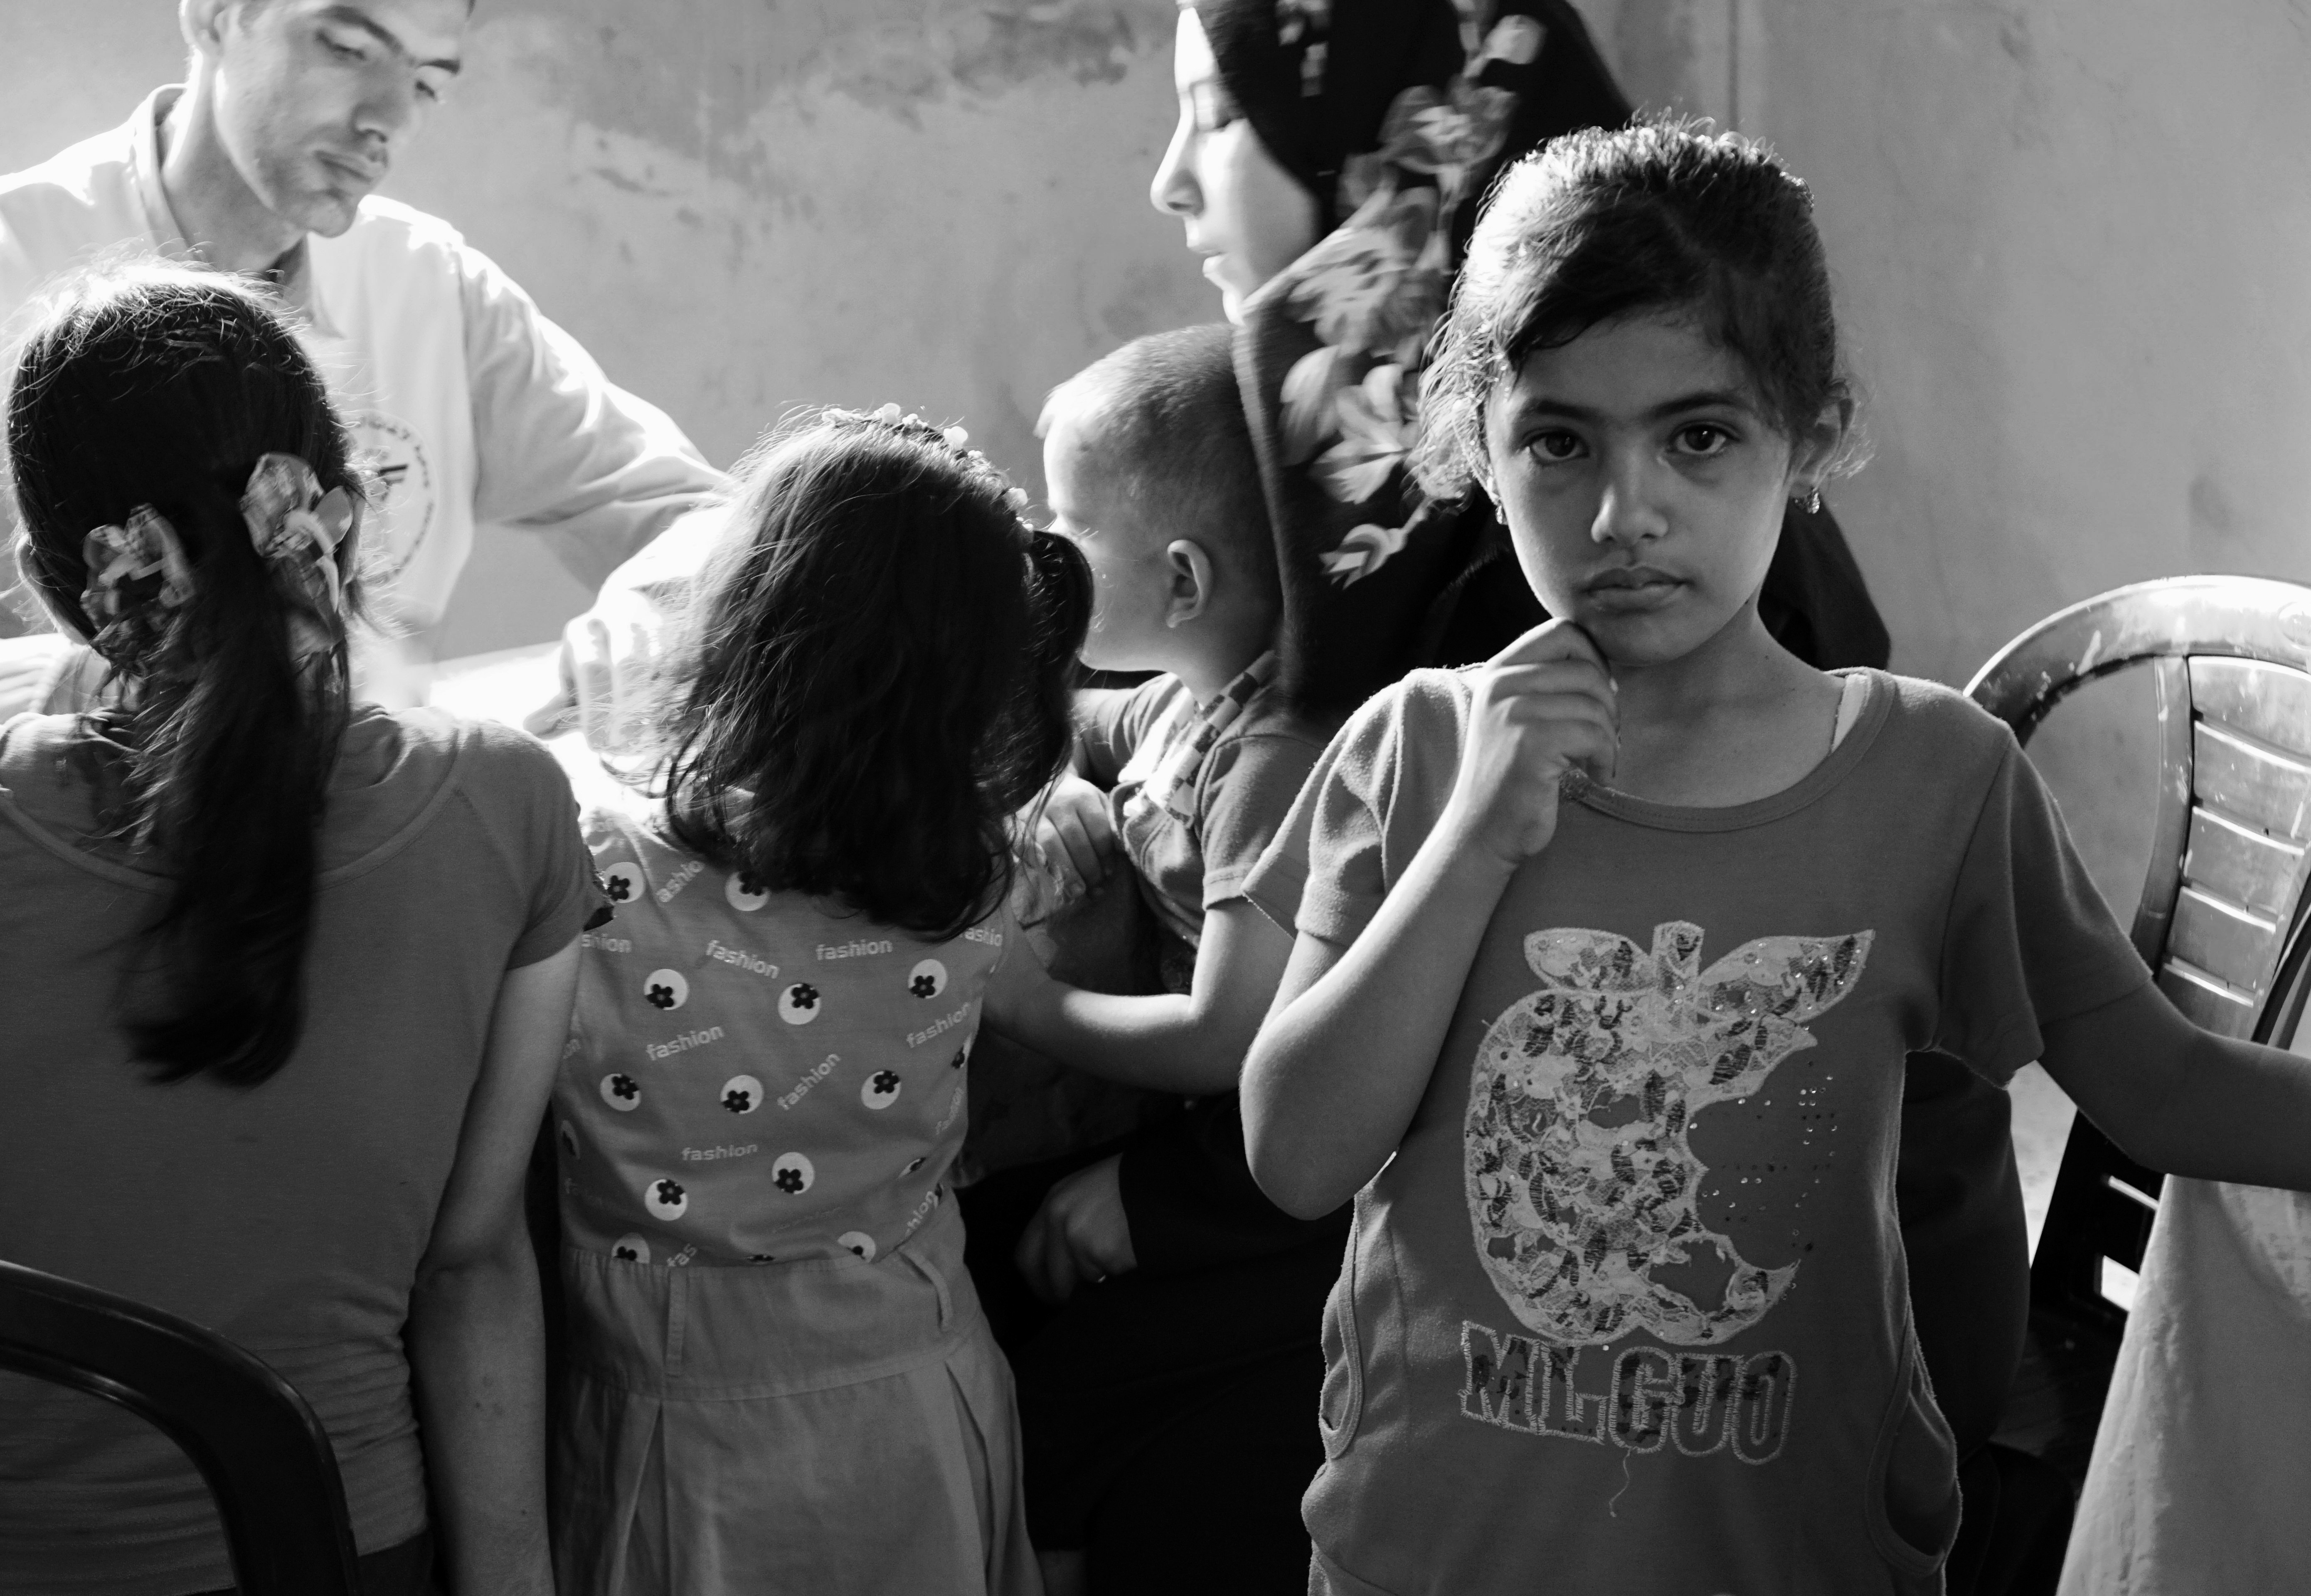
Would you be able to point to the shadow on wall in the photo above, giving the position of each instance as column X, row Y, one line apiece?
column 741, row 206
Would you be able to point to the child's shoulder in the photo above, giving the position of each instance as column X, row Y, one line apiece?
column 1403, row 734
column 1424, row 711
column 1932, row 721
column 486, row 752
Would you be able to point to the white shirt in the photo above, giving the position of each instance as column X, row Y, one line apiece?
column 470, row 405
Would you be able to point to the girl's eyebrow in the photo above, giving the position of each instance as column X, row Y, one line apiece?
column 1709, row 398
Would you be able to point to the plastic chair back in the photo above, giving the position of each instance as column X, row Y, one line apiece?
column 266, row 1457
column 2222, row 921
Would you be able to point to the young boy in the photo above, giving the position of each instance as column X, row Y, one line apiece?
column 1175, row 1385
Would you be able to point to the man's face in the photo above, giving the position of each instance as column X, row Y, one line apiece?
column 314, row 98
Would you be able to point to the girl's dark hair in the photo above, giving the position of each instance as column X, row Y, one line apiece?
column 876, row 676
column 1603, row 223
column 163, row 386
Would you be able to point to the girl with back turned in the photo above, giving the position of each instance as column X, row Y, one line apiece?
column 285, row 980
column 781, row 1378
column 1609, row 951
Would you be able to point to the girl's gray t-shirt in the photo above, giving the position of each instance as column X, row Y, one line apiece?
column 1627, row 1312
column 288, row 1217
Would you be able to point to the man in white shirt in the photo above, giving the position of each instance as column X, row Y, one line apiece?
column 471, row 406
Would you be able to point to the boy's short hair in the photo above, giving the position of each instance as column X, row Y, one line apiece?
column 1161, row 422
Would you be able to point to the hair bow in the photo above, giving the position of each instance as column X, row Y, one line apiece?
column 134, row 572
column 131, row 566
column 297, row 529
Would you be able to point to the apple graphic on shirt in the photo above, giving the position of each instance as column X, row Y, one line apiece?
column 1581, row 1178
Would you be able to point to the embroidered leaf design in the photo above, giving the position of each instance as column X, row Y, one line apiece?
column 1374, row 434
column 1357, row 286
column 1307, row 404
column 1364, row 551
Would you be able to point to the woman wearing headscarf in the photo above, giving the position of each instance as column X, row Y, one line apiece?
column 1387, row 121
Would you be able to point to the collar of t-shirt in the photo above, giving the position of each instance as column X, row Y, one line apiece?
column 1194, row 738
column 291, row 277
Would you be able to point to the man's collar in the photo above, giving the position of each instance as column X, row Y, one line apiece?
column 290, row 278
column 145, row 171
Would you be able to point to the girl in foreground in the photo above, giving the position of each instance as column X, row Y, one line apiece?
column 781, row 1377
column 1610, row 950
column 285, row 978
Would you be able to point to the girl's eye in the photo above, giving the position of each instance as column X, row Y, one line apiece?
column 1211, row 106
column 1554, row 448
column 1704, row 439
column 342, row 50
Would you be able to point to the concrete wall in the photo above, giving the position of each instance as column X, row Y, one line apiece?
column 2072, row 240
column 2072, row 246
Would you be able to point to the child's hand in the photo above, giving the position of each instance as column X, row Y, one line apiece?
column 1075, row 835
column 1544, row 705
column 1080, row 1235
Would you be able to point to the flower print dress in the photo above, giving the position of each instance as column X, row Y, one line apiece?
column 779, row 1376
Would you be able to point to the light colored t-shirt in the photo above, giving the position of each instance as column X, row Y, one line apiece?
column 754, row 1076
column 1193, row 821
column 471, row 406
column 1627, row 1313
column 288, row 1217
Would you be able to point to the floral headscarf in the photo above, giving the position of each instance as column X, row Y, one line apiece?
column 1316, row 78
column 1399, row 112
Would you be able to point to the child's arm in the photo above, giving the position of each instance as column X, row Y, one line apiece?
column 2183, row 1100
column 1336, row 1073
column 476, row 1325
column 1072, row 830
column 1187, row 1042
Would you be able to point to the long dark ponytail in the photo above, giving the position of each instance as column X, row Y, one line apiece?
column 159, row 389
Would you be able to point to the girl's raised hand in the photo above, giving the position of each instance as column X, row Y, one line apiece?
column 1544, row 705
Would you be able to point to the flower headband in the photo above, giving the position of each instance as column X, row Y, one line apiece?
column 955, row 438
column 138, row 572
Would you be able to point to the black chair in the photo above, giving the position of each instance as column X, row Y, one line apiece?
column 265, row 1456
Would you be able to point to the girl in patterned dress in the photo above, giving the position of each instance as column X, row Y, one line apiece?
column 779, row 1373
